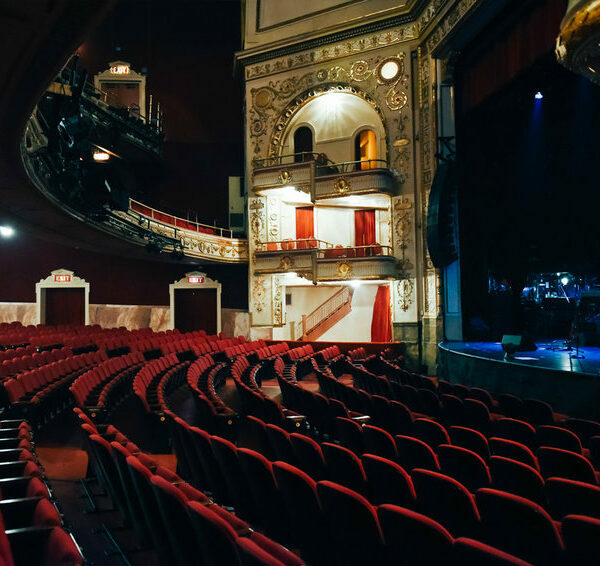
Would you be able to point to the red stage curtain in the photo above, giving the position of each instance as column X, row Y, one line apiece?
column 364, row 229
column 305, row 224
column 531, row 36
column 381, row 325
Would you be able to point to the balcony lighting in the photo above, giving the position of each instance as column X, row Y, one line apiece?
column 101, row 156
column 7, row 231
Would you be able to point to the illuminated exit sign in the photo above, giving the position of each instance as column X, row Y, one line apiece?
column 62, row 278
column 120, row 70
column 195, row 279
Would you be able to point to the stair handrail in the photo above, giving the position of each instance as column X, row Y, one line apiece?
column 325, row 310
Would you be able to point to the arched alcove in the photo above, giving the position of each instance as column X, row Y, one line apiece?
column 335, row 116
column 62, row 298
column 195, row 302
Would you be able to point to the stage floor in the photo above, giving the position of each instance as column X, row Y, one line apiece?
column 544, row 357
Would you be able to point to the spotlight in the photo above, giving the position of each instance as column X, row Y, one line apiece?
column 7, row 232
column 101, row 156
column 565, row 281
column 539, row 95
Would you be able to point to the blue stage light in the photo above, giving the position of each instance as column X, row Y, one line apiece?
column 539, row 95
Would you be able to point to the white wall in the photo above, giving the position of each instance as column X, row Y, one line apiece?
column 307, row 299
column 356, row 326
column 335, row 225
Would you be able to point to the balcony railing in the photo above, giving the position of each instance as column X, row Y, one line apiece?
column 323, row 165
column 145, row 212
column 325, row 250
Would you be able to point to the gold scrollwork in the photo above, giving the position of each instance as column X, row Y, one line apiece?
column 341, row 186
column 344, row 269
column 284, row 177
column 286, row 263
column 405, row 289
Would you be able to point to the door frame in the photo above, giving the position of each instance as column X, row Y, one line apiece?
column 203, row 283
column 60, row 278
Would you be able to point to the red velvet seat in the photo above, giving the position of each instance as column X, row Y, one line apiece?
column 558, row 437
column 388, row 482
column 447, row 501
column 582, row 539
column 418, row 539
column 309, row 456
column 266, row 498
column 570, row 497
column 516, row 430
column 513, row 450
column 280, row 443
column 555, row 462
column 414, row 453
column 518, row 478
column 470, row 439
column 258, row 550
column 353, row 525
column 469, row 552
column 350, row 434
column 299, row 492
column 380, row 442
column 430, row 432
column 518, row 526
column 344, row 467
column 464, row 465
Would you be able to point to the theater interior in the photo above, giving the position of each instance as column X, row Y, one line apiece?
column 299, row 283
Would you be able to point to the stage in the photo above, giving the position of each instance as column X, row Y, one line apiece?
column 570, row 384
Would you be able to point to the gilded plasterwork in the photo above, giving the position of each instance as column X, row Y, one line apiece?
column 405, row 290
column 362, row 44
column 341, row 186
column 259, row 294
column 277, row 301
column 257, row 222
column 343, row 269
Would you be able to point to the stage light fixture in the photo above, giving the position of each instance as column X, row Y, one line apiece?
column 565, row 281
column 539, row 95
column 7, row 231
column 101, row 156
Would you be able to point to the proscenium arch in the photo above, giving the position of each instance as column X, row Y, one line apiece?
column 281, row 125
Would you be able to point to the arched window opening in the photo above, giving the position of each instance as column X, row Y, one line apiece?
column 303, row 144
column 365, row 149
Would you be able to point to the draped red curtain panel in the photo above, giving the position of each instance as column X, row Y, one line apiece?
column 381, row 325
column 364, row 229
column 305, row 222
column 531, row 36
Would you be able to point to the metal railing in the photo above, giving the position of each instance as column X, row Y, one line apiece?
column 323, row 165
column 325, row 310
column 371, row 250
column 145, row 212
column 299, row 244
column 351, row 166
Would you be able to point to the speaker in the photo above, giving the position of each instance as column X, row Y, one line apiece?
column 518, row 343
column 442, row 215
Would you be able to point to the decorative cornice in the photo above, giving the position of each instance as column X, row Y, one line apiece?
column 356, row 40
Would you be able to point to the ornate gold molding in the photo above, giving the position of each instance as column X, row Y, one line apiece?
column 343, row 269
column 405, row 289
column 341, row 186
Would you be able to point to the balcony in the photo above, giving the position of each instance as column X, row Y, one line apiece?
column 313, row 177
column 321, row 261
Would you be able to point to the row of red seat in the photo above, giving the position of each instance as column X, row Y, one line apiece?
column 183, row 524
column 33, row 386
column 324, row 520
column 17, row 352
column 244, row 348
column 88, row 389
column 31, row 527
column 16, row 365
column 149, row 377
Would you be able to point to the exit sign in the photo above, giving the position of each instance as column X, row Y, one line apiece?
column 62, row 278
column 195, row 279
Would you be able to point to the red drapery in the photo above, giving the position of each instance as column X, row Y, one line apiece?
column 531, row 36
column 364, row 229
column 305, row 224
column 381, row 325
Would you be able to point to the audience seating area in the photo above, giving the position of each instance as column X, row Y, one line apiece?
column 359, row 462
column 32, row 532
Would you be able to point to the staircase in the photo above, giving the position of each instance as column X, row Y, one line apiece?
column 326, row 315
